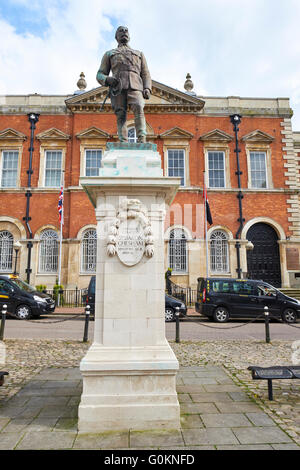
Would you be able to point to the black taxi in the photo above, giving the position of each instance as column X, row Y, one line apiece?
column 22, row 300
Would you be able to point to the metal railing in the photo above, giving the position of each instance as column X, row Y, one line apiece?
column 68, row 297
column 185, row 294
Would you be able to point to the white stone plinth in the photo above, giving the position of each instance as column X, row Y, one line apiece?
column 129, row 372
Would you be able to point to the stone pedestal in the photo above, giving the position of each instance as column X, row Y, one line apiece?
column 129, row 372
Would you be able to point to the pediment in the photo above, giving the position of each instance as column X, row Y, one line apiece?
column 258, row 136
column 53, row 134
column 92, row 133
column 176, row 133
column 12, row 134
column 163, row 99
column 216, row 135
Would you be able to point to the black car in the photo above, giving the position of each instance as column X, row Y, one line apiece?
column 170, row 303
column 170, row 308
column 23, row 301
column 221, row 299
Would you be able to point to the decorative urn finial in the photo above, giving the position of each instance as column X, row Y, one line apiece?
column 188, row 85
column 82, row 82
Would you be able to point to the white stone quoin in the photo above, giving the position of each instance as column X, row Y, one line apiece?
column 129, row 372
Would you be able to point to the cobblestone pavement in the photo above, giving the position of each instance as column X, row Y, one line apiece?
column 221, row 406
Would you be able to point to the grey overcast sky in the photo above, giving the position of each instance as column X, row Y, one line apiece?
column 247, row 48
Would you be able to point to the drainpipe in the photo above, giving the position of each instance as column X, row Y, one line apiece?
column 33, row 119
column 235, row 120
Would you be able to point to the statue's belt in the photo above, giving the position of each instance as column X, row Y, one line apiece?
column 129, row 69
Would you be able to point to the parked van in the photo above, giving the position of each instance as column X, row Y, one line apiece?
column 221, row 299
column 22, row 300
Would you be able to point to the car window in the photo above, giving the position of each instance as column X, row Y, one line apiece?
column 220, row 286
column 5, row 287
column 244, row 288
column 23, row 285
column 265, row 290
column 92, row 285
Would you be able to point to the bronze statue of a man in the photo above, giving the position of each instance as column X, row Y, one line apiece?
column 129, row 84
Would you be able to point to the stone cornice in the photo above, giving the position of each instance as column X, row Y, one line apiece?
column 93, row 133
column 176, row 133
column 258, row 136
column 52, row 134
column 12, row 135
column 216, row 135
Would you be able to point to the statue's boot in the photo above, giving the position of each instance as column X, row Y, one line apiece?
column 140, row 124
column 122, row 125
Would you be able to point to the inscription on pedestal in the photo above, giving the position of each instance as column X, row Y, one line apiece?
column 130, row 242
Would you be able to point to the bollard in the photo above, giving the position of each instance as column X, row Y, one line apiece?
column 267, row 327
column 4, row 311
column 177, row 313
column 86, row 324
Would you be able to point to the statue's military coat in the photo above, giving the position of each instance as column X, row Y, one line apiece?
column 128, row 65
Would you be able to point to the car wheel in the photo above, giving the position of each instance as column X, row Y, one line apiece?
column 289, row 315
column 221, row 315
column 23, row 312
column 169, row 314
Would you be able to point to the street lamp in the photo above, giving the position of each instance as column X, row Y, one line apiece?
column 236, row 120
column 33, row 119
column 17, row 247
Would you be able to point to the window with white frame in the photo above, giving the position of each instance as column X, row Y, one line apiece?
column 132, row 137
column 258, row 170
column 176, row 164
column 9, row 168
column 92, row 162
column 89, row 251
column 6, row 251
column 53, row 168
column 48, row 251
column 219, row 252
column 178, row 251
column 216, row 169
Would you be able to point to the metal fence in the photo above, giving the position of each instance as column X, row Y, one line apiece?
column 76, row 297
column 186, row 294
column 69, row 297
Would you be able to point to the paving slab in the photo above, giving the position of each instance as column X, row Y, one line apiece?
column 260, row 419
column 9, row 440
column 225, row 420
column 212, row 436
column 191, row 421
column 45, row 440
column 210, row 397
column 237, row 407
column 261, row 435
column 156, row 438
column 107, row 440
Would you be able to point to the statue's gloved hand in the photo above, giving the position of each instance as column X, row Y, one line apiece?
column 146, row 93
column 111, row 81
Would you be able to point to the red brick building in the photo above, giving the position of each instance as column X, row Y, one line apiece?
column 196, row 139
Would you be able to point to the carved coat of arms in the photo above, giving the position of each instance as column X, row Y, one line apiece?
column 130, row 235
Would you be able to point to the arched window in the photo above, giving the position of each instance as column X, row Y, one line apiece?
column 48, row 251
column 89, row 251
column 178, row 251
column 6, row 251
column 132, row 138
column 219, row 252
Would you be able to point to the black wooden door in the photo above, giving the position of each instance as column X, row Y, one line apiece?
column 264, row 260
